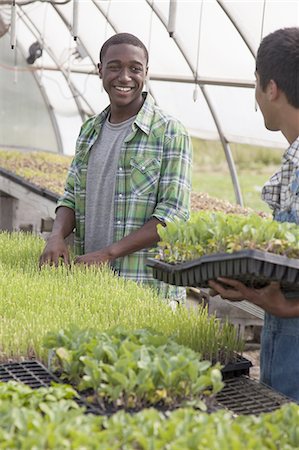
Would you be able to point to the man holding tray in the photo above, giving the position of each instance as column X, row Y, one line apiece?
column 277, row 94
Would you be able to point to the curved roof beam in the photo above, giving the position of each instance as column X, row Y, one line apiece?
column 76, row 94
column 175, row 79
column 113, row 26
column 224, row 142
column 221, row 4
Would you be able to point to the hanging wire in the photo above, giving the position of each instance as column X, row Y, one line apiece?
column 195, row 91
column 150, row 28
column 147, row 80
column 75, row 19
column 107, row 20
column 68, row 60
column 172, row 17
column 263, row 20
column 43, row 34
column 13, row 23
column 15, row 72
column 105, row 33
column 261, row 37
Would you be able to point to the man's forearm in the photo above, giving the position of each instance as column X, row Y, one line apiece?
column 64, row 222
column 145, row 237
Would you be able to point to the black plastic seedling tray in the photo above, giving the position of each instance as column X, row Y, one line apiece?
column 240, row 366
column 241, row 394
column 244, row 395
column 36, row 375
column 32, row 373
column 254, row 268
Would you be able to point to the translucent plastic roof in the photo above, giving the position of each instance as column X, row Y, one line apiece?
column 202, row 62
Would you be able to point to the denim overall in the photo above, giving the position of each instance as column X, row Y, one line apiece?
column 280, row 355
column 280, row 344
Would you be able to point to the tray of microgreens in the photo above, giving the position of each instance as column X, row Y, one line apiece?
column 252, row 249
column 49, row 418
column 121, row 369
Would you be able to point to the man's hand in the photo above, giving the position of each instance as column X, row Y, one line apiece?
column 55, row 251
column 94, row 258
column 144, row 237
column 269, row 298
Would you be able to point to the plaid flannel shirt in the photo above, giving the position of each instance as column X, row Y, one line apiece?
column 281, row 192
column 153, row 180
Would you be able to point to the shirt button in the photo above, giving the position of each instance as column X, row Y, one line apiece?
column 120, row 195
column 143, row 168
column 120, row 169
column 118, row 222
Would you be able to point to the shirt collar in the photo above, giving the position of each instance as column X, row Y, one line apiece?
column 292, row 153
column 143, row 118
column 145, row 114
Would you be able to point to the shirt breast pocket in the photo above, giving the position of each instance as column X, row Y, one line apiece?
column 144, row 175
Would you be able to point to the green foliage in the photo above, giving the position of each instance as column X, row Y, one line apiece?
column 210, row 154
column 45, row 418
column 133, row 369
column 35, row 301
column 45, row 424
column 254, row 165
column 217, row 232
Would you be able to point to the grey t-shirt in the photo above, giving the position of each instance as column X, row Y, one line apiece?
column 100, row 184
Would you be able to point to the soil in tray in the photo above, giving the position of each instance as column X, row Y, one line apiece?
column 238, row 367
column 107, row 409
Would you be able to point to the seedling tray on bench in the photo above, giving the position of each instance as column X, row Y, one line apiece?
column 36, row 375
column 244, row 395
column 254, row 268
column 241, row 394
column 32, row 373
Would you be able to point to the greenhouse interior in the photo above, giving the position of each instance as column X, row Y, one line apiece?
column 130, row 340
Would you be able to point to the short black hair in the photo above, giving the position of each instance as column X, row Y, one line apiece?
column 278, row 60
column 123, row 38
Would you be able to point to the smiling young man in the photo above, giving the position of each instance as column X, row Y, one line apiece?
column 277, row 94
column 131, row 171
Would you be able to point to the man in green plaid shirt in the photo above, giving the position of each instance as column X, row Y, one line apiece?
column 133, row 164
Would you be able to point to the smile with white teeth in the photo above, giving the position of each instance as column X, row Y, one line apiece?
column 123, row 89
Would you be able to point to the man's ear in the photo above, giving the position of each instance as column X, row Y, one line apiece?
column 272, row 90
column 100, row 69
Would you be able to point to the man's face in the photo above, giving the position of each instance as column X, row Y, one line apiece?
column 123, row 72
column 266, row 105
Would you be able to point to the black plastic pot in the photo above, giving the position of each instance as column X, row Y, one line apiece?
column 254, row 268
column 240, row 366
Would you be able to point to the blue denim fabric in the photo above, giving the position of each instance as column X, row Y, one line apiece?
column 280, row 355
column 280, row 343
